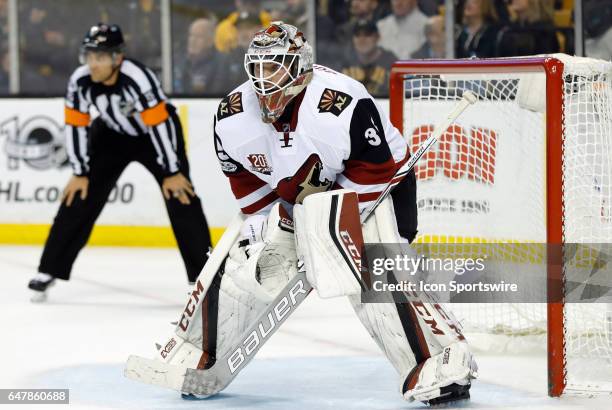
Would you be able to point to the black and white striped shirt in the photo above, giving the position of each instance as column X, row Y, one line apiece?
column 135, row 106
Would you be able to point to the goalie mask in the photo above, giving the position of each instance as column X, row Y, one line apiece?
column 279, row 65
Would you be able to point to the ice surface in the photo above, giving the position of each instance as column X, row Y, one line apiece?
column 121, row 300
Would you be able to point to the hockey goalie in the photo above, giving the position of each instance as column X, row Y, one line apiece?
column 305, row 149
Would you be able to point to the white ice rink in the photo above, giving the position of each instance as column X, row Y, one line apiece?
column 120, row 301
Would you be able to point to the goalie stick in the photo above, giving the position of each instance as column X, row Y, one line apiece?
column 213, row 380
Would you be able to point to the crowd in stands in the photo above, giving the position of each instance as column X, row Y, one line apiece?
column 51, row 33
column 212, row 62
column 361, row 38
column 4, row 51
column 598, row 28
column 408, row 29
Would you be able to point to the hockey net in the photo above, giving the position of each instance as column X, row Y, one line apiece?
column 530, row 162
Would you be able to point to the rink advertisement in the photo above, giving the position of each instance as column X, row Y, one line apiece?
column 485, row 171
column 34, row 169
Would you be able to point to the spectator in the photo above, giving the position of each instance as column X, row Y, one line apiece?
column 142, row 31
column 502, row 11
column 4, row 53
column 598, row 29
column 201, row 72
column 531, row 32
column 232, row 63
column 359, row 10
column 184, row 12
column 435, row 46
column 293, row 12
column 363, row 10
column 430, row 7
column 382, row 10
column 367, row 62
column 4, row 20
column 47, row 52
column 600, row 47
column 403, row 32
column 328, row 48
column 226, row 34
column 5, row 68
column 479, row 32
column 338, row 10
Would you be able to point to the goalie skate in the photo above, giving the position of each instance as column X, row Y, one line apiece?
column 442, row 378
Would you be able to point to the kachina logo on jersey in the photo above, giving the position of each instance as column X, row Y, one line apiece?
column 334, row 101
column 230, row 105
column 38, row 141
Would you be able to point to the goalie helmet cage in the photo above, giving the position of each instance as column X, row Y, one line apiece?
column 535, row 147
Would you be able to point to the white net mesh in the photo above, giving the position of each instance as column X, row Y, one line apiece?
column 587, row 169
column 485, row 182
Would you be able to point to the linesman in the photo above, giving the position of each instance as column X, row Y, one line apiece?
column 135, row 123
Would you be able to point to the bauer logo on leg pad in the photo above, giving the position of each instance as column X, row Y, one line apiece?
column 266, row 327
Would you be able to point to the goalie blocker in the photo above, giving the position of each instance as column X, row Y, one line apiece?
column 248, row 289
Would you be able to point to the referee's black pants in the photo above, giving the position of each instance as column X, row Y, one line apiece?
column 110, row 153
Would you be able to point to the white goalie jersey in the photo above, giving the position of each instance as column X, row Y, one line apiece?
column 332, row 135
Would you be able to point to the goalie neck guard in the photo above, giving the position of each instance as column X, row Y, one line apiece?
column 279, row 65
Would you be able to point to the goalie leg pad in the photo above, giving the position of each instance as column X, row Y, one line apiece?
column 244, row 286
column 409, row 334
column 330, row 242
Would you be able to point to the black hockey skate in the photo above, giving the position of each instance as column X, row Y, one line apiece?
column 194, row 397
column 39, row 284
column 452, row 393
